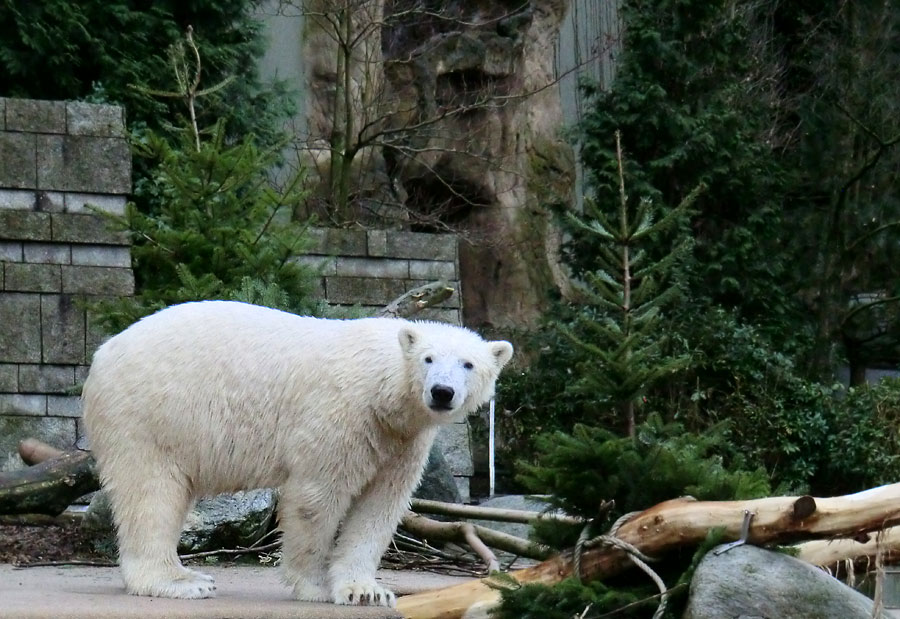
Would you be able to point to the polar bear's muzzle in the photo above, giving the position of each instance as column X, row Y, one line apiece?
column 441, row 398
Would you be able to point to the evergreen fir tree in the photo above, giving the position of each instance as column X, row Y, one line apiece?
column 628, row 286
column 222, row 231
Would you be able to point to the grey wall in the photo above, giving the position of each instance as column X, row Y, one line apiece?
column 55, row 159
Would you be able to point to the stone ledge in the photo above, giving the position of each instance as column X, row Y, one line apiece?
column 420, row 245
column 47, row 253
column 10, row 251
column 101, row 256
column 81, row 203
column 32, row 405
column 35, row 116
column 432, row 269
column 64, row 405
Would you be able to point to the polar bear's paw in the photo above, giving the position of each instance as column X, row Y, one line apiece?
column 200, row 575
column 363, row 593
column 188, row 587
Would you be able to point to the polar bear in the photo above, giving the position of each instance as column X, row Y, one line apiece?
column 340, row 415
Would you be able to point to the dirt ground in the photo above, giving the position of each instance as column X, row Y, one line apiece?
column 58, row 542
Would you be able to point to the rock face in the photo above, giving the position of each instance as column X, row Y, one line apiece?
column 448, row 116
column 751, row 582
column 222, row 521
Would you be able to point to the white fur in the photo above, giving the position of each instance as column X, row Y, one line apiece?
column 218, row 396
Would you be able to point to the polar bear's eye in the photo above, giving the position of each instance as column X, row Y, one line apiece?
column 428, row 359
column 468, row 365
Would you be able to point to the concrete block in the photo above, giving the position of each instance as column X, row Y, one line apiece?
column 17, row 160
column 85, row 202
column 453, row 441
column 47, row 253
column 97, row 280
column 62, row 329
column 23, row 277
column 9, row 378
column 20, row 335
column 421, row 245
column 56, row 431
column 364, row 290
column 372, row 267
column 64, row 405
column 83, row 164
column 91, row 229
column 46, row 378
column 101, row 256
column 453, row 301
column 432, row 269
column 377, row 242
column 35, row 116
column 10, row 251
column 95, row 119
column 337, row 242
column 23, row 404
column 2, row 114
column 17, row 199
column 321, row 265
column 24, row 225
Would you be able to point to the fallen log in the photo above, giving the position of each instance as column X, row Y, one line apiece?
column 425, row 506
column 49, row 487
column 828, row 553
column 675, row 523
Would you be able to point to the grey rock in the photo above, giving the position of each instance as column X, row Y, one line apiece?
column 62, row 329
column 17, row 157
column 24, row 225
column 23, row 277
column 222, row 521
column 748, row 581
column 97, row 280
column 229, row 520
column 35, row 116
column 437, row 481
column 453, row 441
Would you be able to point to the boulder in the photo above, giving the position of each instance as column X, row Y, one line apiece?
column 222, row 521
column 437, row 481
column 511, row 501
column 747, row 581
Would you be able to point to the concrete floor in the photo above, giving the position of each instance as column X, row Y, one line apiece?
column 243, row 592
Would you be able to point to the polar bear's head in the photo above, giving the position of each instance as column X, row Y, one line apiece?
column 455, row 369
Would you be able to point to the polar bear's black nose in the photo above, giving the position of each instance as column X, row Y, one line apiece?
column 442, row 395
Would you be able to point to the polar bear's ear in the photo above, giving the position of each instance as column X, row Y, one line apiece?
column 408, row 339
column 502, row 351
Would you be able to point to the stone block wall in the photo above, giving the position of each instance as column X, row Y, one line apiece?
column 58, row 160
column 372, row 268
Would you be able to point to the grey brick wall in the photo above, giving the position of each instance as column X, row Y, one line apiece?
column 57, row 159
column 372, row 268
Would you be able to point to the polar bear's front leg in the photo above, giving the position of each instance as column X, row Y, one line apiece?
column 370, row 524
column 308, row 518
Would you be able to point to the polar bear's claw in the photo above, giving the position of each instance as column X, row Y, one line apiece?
column 369, row 593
